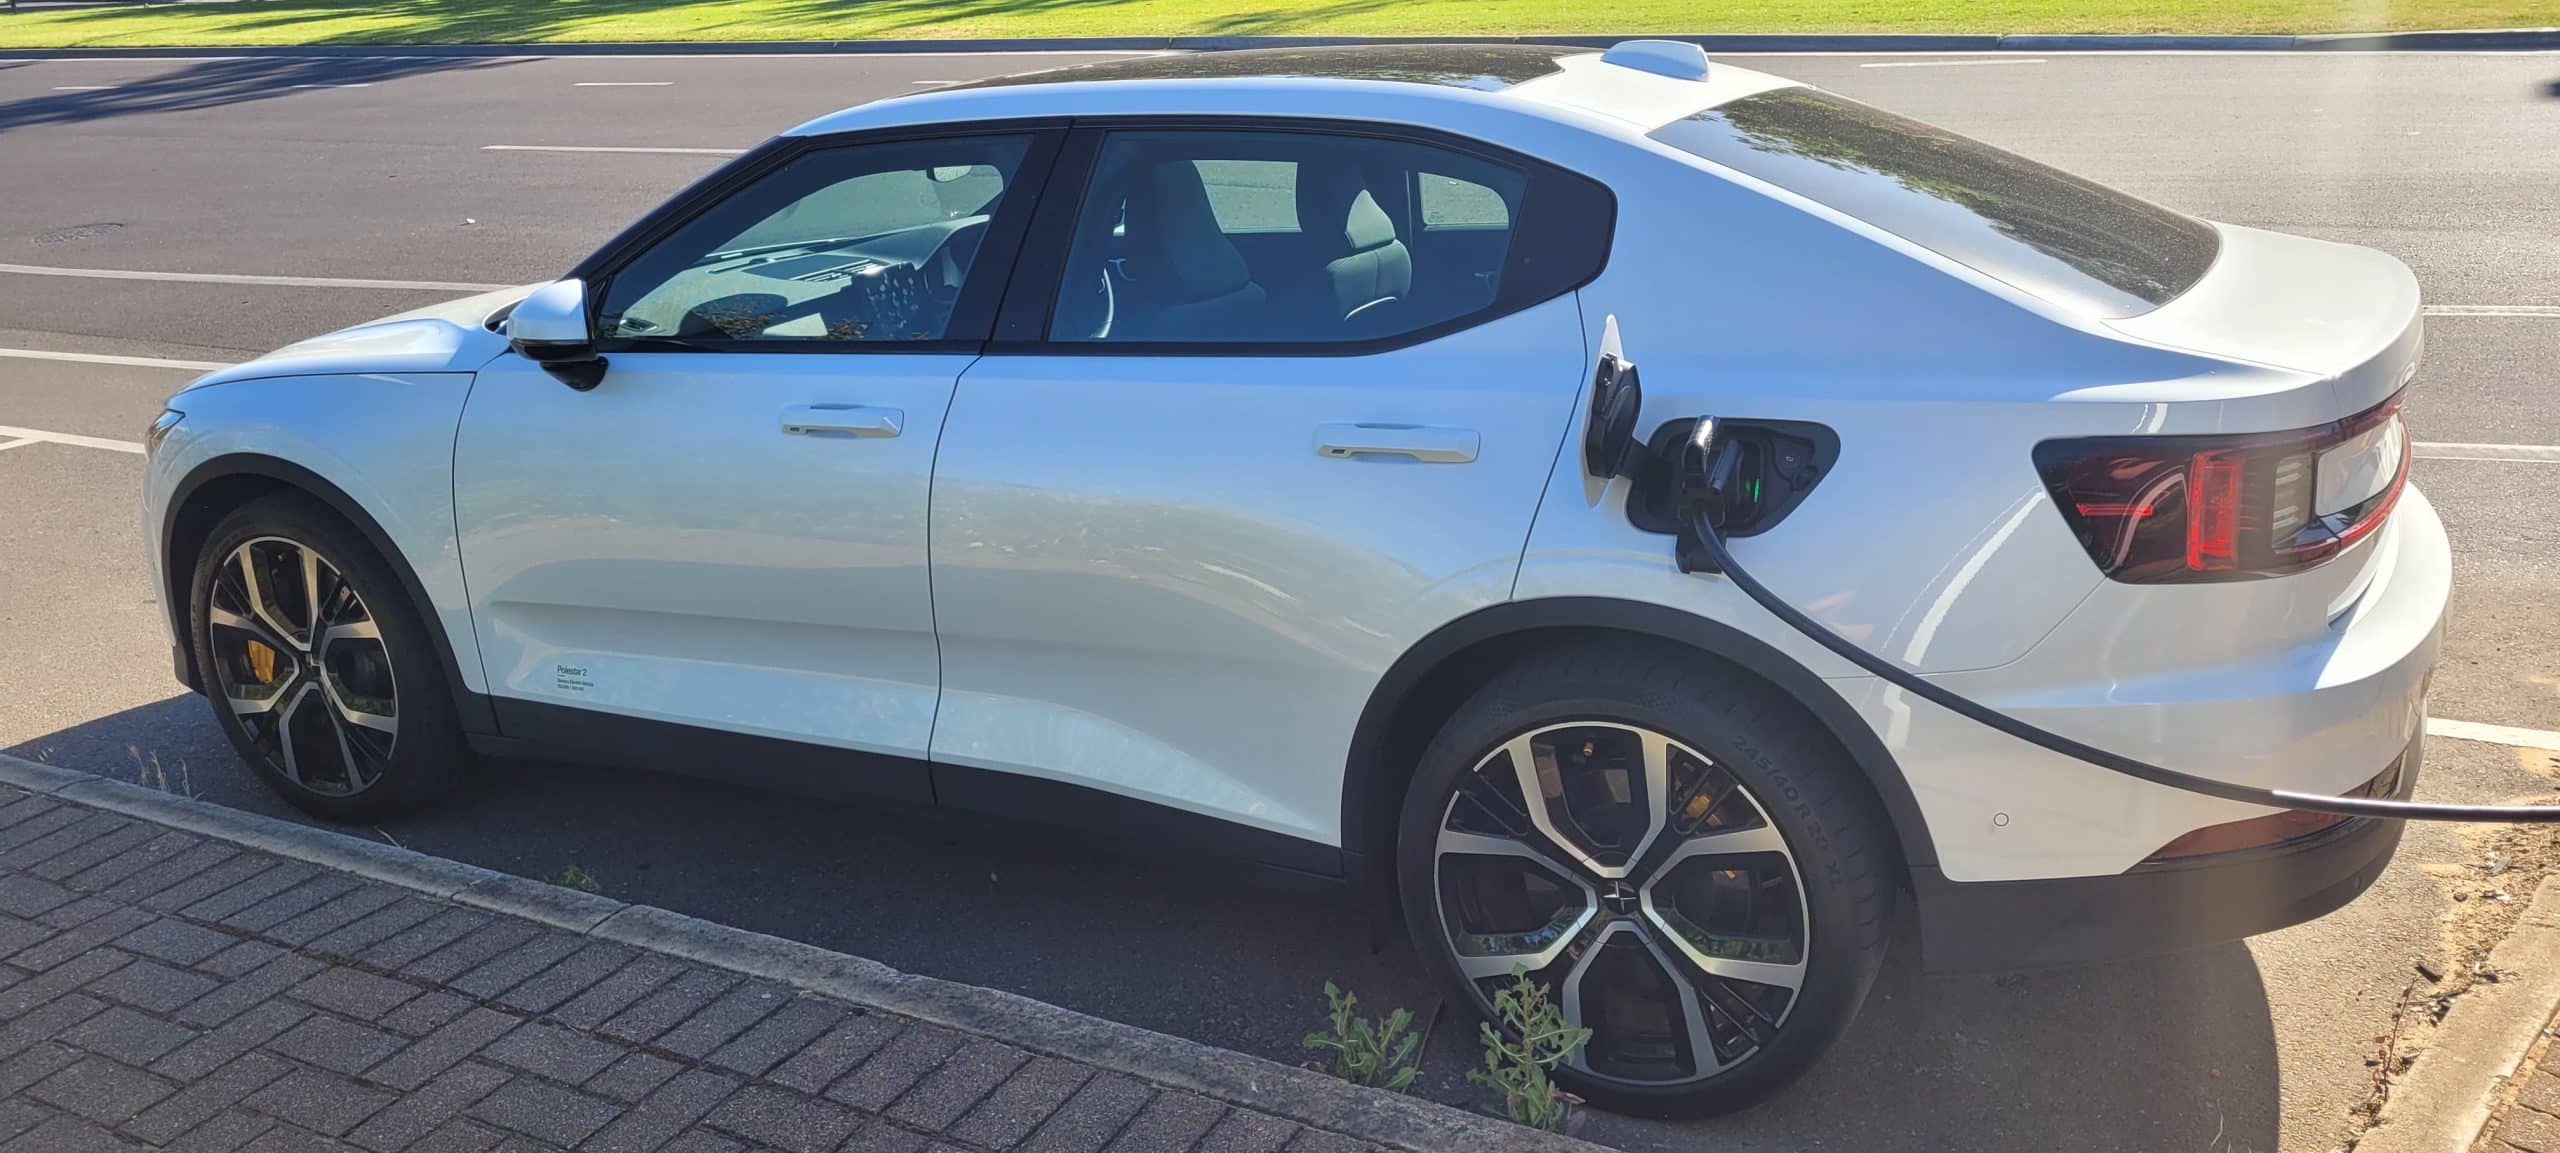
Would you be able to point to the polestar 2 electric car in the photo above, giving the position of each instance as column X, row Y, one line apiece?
column 1193, row 449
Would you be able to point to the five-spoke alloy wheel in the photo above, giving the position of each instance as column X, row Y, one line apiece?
column 1692, row 877
column 316, row 667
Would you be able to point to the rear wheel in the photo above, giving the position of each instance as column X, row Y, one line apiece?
column 318, row 669
column 1692, row 871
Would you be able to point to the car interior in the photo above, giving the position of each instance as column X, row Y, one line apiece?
column 1240, row 238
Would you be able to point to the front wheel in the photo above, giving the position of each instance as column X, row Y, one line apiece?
column 1688, row 866
column 319, row 670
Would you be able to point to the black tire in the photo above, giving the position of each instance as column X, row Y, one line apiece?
column 1836, row 842
column 333, row 701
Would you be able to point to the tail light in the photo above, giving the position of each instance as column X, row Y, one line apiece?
column 2207, row 508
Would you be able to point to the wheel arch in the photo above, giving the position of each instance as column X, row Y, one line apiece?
column 215, row 487
column 1437, row 673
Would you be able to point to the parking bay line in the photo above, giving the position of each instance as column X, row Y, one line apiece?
column 624, row 84
column 97, row 442
column 1948, row 63
column 105, row 358
column 2547, row 311
column 2506, row 453
column 2511, row 735
column 234, row 278
column 609, row 148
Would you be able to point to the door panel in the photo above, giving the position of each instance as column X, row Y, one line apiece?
column 1150, row 578
column 667, row 547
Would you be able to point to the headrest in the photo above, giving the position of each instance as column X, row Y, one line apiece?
column 1174, row 241
column 1335, row 207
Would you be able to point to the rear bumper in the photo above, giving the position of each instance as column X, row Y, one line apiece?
column 2154, row 908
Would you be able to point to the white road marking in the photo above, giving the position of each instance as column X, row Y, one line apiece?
column 1949, row 63
column 103, row 358
column 236, row 278
column 82, row 87
column 333, row 85
column 2545, row 310
column 74, row 441
column 6, row 445
column 624, row 83
column 2492, row 734
column 2520, row 453
column 936, row 83
column 603, row 148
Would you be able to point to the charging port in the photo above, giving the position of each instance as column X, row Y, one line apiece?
column 1768, row 468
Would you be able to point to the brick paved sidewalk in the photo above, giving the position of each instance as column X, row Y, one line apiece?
column 2531, row 1123
column 160, row 989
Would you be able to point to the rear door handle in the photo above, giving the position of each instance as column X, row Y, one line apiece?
column 1423, row 443
column 842, row 420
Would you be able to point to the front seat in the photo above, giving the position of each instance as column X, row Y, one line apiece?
column 1365, row 268
column 1185, row 279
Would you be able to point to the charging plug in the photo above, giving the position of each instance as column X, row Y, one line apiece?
column 1701, row 479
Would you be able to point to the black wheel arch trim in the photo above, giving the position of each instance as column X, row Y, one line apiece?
column 1368, row 827
column 470, row 707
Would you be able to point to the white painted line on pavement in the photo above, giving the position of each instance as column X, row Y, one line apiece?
column 235, row 278
column 2546, row 310
column 603, row 148
column 6, row 445
column 69, row 439
column 82, row 87
column 104, row 358
column 2491, row 734
column 624, row 83
column 1949, row 63
column 936, row 83
column 333, row 85
column 2520, row 453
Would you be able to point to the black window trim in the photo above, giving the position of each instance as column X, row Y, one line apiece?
column 972, row 318
column 1022, row 325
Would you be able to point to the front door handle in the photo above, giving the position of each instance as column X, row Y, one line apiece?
column 842, row 420
column 1423, row 443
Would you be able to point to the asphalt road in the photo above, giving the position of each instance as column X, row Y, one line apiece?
column 230, row 167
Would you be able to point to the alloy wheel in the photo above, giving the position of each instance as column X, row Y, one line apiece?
column 300, row 662
column 1638, row 880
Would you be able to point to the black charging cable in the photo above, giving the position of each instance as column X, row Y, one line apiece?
column 1705, row 466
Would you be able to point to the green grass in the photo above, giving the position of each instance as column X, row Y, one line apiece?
column 518, row 21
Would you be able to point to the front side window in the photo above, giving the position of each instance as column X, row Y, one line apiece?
column 2039, row 229
column 1245, row 237
column 861, row 244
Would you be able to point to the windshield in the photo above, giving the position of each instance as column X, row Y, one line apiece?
column 2036, row 228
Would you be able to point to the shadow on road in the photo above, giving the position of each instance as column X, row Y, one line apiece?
column 2170, row 1053
column 215, row 83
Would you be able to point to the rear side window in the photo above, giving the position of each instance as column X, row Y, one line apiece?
column 2036, row 228
column 1250, row 236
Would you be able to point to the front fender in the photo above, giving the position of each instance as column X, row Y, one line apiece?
column 376, row 448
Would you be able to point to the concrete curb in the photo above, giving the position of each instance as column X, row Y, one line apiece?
column 1299, row 1095
column 2448, row 1096
column 2449, row 40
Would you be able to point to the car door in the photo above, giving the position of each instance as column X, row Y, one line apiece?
column 728, row 533
column 1198, row 498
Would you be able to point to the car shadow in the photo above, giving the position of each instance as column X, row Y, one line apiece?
column 217, row 83
column 2175, row 1052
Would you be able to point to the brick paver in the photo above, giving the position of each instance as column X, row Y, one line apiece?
column 161, row 991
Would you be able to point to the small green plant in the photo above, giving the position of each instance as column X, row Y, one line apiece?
column 1384, row 1054
column 1518, row 1069
column 573, row 877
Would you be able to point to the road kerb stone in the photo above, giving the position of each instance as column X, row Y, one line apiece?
column 1307, row 1098
column 2447, row 1097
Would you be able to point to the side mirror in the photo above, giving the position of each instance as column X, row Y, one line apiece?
column 549, row 328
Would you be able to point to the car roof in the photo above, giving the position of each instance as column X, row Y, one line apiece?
column 1385, row 82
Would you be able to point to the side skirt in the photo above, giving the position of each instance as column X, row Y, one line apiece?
column 538, row 731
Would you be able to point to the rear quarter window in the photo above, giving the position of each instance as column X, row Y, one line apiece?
column 2039, row 229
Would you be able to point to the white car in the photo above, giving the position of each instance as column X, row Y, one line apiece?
column 1200, row 447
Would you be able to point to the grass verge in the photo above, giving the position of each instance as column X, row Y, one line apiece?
column 291, row 22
